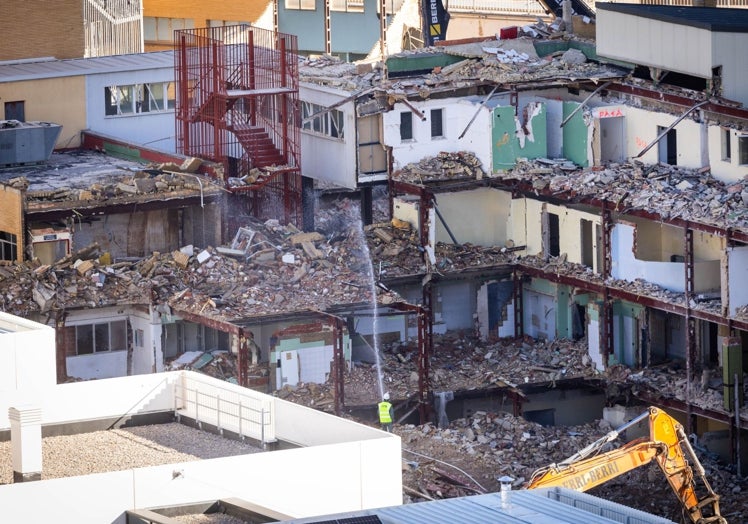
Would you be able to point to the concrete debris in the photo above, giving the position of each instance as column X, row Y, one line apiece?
column 670, row 191
column 150, row 181
column 573, row 57
column 443, row 167
column 205, row 282
column 486, row 61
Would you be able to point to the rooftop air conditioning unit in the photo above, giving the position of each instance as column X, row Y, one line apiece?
column 27, row 142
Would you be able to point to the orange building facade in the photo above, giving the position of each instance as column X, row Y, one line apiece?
column 162, row 17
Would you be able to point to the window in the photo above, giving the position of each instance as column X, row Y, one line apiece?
column 162, row 29
column 15, row 111
column 743, row 150
column 222, row 23
column 325, row 122
column 351, row 6
column 101, row 337
column 437, row 130
column 139, row 98
column 406, row 125
column 300, row 4
column 8, row 246
column 726, row 151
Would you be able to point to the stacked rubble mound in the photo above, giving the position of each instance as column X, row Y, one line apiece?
column 263, row 272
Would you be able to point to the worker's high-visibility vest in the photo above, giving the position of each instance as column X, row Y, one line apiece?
column 384, row 412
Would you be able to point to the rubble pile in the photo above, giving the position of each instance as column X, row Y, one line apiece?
column 488, row 445
column 460, row 362
column 516, row 61
column 670, row 191
column 261, row 274
column 396, row 252
column 442, row 167
column 140, row 183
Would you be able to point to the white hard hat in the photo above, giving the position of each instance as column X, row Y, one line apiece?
column 386, row 396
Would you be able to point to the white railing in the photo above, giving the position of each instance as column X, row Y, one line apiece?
column 525, row 7
column 227, row 407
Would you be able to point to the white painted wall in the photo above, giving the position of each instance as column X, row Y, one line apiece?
column 27, row 355
column 641, row 130
column 726, row 170
column 353, row 466
column 317, row 150
column 533, row 224
column 540, row 315
column 593, row 344
column 455, row 304
column 726, row 52
column 154, row 129
column 479, row 216
column 648, row 42
column 98, row 365
column 737, row 267
column 96, row 399
column 669, row 275
column 148, row 358
column 456, row 115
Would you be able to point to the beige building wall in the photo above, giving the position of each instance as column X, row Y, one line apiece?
column 36, row 28
column 11, row 216
column 58, row 100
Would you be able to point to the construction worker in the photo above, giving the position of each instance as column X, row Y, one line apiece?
column 386, row 413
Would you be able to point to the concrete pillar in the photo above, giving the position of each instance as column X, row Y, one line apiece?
column 26, row 442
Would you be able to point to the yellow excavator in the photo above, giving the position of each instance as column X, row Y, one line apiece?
column 667, row 445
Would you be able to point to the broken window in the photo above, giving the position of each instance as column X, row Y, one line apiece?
column 300, row 4
column 406, row 125
column 726, row 150
column 160, row 29
column 139, row 98
column 8, row 246
column 101, row 337
column 324, row 122
column 350, row 6
column 437, row 130
column 743, row 150
column 15, row 110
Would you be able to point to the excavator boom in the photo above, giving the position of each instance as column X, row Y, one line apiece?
column 667, row 445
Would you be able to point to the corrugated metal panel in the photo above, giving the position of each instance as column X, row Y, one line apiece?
column 541, row 506
column 17, row 70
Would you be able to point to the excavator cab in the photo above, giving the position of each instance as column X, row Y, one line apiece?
column 667, row 445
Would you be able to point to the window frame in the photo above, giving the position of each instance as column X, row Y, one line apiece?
column 406, row 126
column 8, row 246
column 164, row 25
column 134, row 99
column 725, row 144
column 347, row 6
column 328, row 123
column 743, row 150
column 437, row 122
column 300, row 5
column 98, row 343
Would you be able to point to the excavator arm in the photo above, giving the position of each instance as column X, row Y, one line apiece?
column 667, row 445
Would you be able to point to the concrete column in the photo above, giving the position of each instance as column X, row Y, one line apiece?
column 26, row 442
